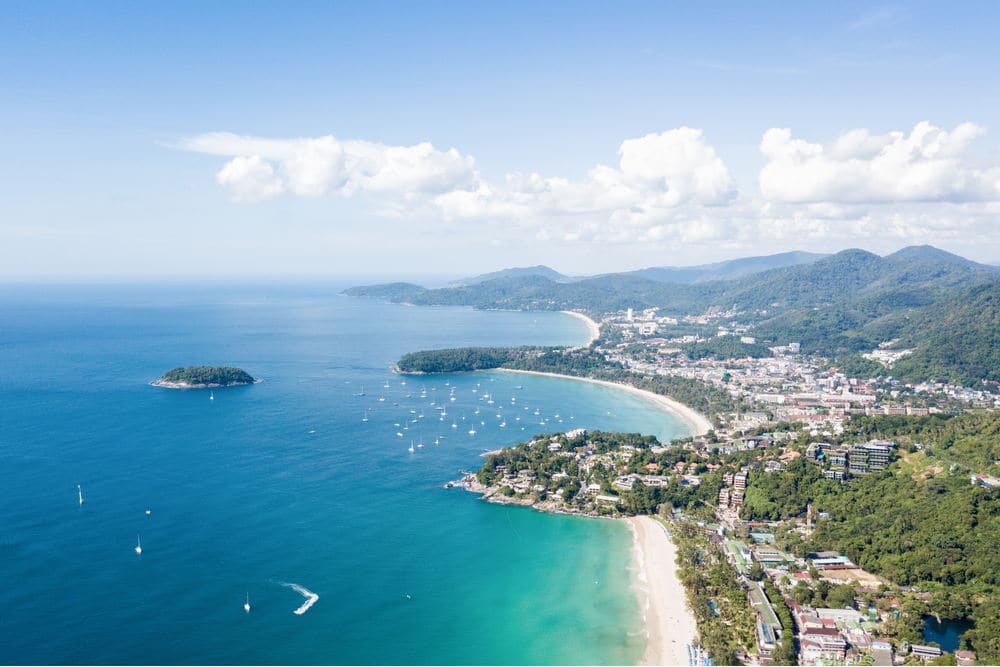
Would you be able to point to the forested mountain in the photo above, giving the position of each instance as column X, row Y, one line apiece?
column 872, row 285
column 942, row 306
column 727, row 270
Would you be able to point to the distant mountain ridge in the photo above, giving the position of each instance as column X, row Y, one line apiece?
column 516, row 272
column 726, row 270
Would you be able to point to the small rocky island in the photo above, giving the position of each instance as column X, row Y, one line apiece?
column 204, row 377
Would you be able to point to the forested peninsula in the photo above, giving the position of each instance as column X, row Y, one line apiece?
column 577, row 362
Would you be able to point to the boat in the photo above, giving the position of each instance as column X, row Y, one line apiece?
column 411, row 450
column 472, row 431
column 138, row 545
column 381, row 399
column 246, row 605
column 365, row 418
column 437, row 440
column 454, row 424
column 79, row 493
column 211, row 395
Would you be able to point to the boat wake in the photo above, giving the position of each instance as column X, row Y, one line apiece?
column 307, row 594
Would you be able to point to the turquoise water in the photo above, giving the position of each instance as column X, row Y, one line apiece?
column 282, row 482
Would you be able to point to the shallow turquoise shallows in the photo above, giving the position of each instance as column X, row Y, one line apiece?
column 284, row 483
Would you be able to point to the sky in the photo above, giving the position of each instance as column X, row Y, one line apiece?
column 300, row 139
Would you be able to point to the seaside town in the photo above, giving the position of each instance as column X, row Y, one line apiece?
column 785, row 385
column 797, row 603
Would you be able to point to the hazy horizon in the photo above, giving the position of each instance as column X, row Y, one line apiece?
column 430, row 278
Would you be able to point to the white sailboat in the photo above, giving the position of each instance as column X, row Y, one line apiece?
column 472, row 431
column 411, row 450
column 79, row 493
column 246, row 605
column 365, row 418
column 211, row 395
column 138, row 544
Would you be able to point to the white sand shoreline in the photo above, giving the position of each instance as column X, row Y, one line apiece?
column 593, row 327
column 698, row 423
column 670, row 624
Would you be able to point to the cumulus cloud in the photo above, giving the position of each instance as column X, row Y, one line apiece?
column 656, row 192
column 927, row 165
column 651, row 192
column 310, row 167
column 250, row 179
column 666, row 187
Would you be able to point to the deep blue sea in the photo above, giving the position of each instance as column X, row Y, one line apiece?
column 284, row 483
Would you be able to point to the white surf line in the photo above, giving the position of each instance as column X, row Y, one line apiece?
column 307, row 594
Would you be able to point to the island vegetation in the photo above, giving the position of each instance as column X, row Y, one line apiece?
column 198, row 377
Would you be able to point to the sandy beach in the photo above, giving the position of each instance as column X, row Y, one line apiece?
column 592, row 326
column 670, row 625
column 698, row 423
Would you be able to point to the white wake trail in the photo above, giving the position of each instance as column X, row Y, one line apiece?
column 307, row 594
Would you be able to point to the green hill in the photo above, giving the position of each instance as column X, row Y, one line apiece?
column 204, row 376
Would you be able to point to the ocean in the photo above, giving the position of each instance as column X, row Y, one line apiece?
column 283, row 483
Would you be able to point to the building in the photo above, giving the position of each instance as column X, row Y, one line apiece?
column 820, row 644
column 768, row 625
column 965, row 658
column 925, row 651
column 985, row 481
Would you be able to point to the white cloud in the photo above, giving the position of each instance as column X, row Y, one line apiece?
column 249, row 179
column 311, row 167
column 666, row 188
column 927, row 165
column 660, row 183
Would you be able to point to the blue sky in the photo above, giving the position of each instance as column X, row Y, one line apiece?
column 131, row 135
